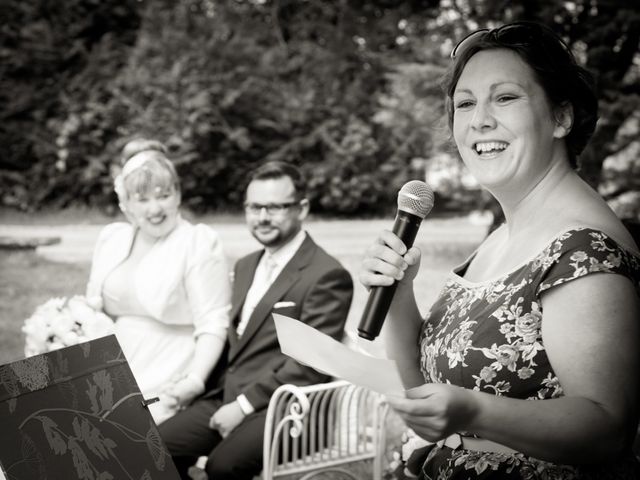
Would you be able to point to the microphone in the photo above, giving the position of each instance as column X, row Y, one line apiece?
column 415, row 201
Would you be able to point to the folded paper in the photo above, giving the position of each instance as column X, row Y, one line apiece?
column 325, row 354
column 77, row 413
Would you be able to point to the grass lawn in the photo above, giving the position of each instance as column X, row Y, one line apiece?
column 28, row 280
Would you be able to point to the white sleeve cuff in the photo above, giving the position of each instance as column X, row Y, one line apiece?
column 245, row 405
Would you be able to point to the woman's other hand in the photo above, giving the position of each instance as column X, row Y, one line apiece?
column 181, row 392
column 435, row 410
column 387, row 261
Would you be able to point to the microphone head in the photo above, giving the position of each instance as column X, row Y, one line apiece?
column 416, row 197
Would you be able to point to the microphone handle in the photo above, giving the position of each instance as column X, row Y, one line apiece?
column 406, row 228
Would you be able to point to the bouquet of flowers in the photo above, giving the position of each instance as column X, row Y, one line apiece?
column 62, row 322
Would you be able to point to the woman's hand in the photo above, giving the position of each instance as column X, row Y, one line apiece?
column 435, row 410
column 181, row 392
column 387, row 261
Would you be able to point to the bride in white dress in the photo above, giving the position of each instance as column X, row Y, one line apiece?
column 165, row 282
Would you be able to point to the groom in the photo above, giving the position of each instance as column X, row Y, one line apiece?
column 293, row 276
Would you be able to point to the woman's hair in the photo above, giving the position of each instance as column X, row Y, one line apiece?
column 137, row 145
column 555, row 68
column 144, row 171
column 277, row 169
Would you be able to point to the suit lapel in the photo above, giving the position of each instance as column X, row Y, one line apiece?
column 287, row 278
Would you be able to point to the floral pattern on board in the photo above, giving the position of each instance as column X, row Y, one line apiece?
column 487, row 337
column 77, row 413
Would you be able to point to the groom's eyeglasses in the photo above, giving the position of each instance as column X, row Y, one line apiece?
column 271, row 208
column 513, row 34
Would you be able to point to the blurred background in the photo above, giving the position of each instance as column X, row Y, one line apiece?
column 347, row 89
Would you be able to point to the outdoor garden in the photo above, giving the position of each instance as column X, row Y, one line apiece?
column 347, row 90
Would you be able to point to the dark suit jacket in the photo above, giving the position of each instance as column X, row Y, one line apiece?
column 313, row 288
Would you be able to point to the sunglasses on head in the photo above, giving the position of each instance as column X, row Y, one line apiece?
column 513, row 34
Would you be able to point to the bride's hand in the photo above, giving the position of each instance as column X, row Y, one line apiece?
column 387, row 261
column 182, row 391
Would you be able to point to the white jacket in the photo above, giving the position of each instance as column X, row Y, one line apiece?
column 182, row 280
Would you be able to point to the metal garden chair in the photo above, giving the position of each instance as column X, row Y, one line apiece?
column 320, row 428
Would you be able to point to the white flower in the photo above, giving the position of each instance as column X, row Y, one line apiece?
column 61, row 323
column 80, row 310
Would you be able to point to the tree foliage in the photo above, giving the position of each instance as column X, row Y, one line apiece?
column 349, row 90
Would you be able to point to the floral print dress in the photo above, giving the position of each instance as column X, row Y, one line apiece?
column 487, row 337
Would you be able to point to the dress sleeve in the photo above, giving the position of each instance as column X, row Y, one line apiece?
column 208, row 284
column 97, row 273
column 583, row 252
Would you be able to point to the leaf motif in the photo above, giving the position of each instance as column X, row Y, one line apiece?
column 31, row 456
column 92, row 393
column 80, row 461
column 56, row 442
column 103, row 381
column 86, row 349
column 61, row 365
column 68, row 392
column 154, row 444
column 146, row 475
column 92, row 438
column 122, row 378
column 28, row 449
column 9, row 381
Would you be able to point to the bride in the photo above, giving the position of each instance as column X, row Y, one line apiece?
column 165, row 282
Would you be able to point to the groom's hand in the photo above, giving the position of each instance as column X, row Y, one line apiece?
column 226, row 418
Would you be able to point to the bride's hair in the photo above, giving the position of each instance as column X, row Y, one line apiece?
column 137, row 145
column 144, row 173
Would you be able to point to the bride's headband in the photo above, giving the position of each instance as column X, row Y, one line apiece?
column 134, row 163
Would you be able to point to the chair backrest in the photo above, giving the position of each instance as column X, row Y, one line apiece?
column 322, row 426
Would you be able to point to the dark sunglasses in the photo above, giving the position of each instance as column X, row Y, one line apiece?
column 513, row 34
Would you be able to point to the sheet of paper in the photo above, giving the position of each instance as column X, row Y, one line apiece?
column 315, row 349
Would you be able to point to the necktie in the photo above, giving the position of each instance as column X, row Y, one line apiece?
column 262, row 282
column 269, row 268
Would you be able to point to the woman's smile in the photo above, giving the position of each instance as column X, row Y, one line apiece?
column 156, row 219
column 489, row 149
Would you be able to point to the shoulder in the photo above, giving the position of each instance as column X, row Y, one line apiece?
column 203, row 234
column 115, row 228
column 323, row 259
column 592, row 240
column 583, row 251
column 198, row 239
column 249, row 259
column 113, row 231
column 324, row 267
column 316, row 256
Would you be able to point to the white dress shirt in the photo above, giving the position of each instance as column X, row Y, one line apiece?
column 269, row 267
